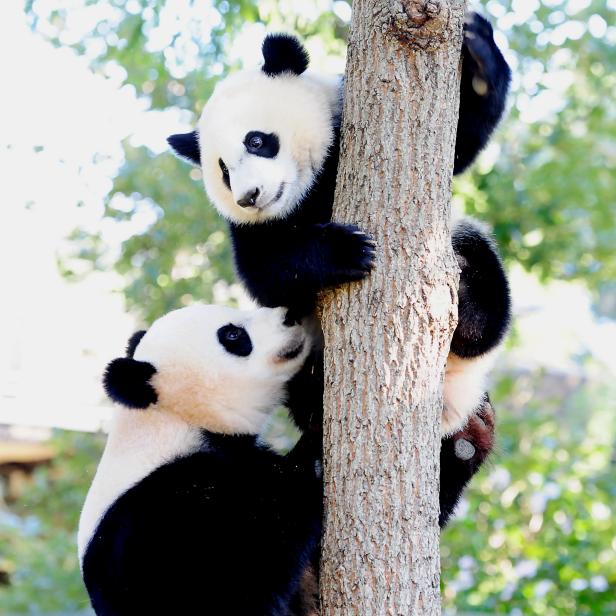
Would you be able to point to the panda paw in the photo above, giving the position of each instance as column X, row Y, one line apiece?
column 474, row 443
column 484, row 54
column 350, row 253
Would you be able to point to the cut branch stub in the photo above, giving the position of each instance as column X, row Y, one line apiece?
column 421, row 24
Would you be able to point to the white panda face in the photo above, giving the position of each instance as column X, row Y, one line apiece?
column 219, row 368
column 263, row 140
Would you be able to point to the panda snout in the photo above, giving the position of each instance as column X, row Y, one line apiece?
column 249, row 199
column 292, row 349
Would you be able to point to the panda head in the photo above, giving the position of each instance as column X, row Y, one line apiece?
column 216, row 368
column 264, row 134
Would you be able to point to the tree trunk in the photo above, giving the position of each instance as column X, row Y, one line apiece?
column 387, row 338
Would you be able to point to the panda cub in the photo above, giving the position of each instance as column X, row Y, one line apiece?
column 268, row 146
column 188, row 513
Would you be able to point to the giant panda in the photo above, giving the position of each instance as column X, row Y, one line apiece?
column 188, row 513
column 268, row 146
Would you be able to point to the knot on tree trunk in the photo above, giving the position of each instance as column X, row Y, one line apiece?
column 423, row 24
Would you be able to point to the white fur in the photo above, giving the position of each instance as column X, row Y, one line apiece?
column 299, row 109
column 139, row 442
column 465, row 386
column 199, row 385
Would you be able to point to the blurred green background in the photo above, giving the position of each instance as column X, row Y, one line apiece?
column 536, row 533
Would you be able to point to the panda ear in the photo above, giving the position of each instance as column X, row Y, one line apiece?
column 283, row 53
column 127, row 382
column 186, row 146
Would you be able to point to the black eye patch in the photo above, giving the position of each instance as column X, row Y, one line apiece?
column 262, row 144
column 235, row 340
column 225, row 173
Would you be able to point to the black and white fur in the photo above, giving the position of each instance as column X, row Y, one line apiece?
column 188, row 513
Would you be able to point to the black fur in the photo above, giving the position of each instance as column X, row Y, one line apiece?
column 186, row 146
column 479, row 112
column 127, row 381
column 484, row 305
column 227, row 530
column 283, row 53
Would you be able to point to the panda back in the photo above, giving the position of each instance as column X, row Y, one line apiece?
column 230, row 532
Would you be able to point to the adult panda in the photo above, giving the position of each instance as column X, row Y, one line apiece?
column 268, row 146
column 188, row 513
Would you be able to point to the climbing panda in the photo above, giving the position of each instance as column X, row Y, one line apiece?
column 188, row 513
column 268, row 146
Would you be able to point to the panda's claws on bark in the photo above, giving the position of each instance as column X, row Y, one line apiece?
column 352, row 253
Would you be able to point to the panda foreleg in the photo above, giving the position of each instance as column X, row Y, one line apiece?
column 483, row 90
column 289, row 266
column 462, row 454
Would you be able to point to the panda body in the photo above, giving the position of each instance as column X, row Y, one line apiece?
column 188, row 513
column 226, row 529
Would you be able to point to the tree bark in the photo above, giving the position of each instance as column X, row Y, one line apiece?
column 387, row 339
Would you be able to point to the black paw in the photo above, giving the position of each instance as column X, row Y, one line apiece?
column 483, row 56
column 351, row 253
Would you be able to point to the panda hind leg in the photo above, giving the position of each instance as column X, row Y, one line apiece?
column 462, row 455
column 484, row 305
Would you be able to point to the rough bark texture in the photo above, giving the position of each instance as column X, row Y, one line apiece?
column 387, row 338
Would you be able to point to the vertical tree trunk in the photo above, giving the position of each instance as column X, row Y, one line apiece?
column 387, row 339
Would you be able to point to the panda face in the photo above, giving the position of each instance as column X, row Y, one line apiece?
column 221, row 369
column 262, row 141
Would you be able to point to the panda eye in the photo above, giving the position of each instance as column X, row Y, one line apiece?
column 226, row 178
column 235, row 340
column 255, row 142
column 232, row 333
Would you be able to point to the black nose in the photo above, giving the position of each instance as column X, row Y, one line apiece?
column 250, row 198
column 291, row 318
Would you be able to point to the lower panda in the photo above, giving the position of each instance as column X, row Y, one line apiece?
column 188, row 512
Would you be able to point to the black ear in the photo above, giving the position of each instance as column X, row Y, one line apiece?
column 186, row 146
column 283, row 53
column 127, row 381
